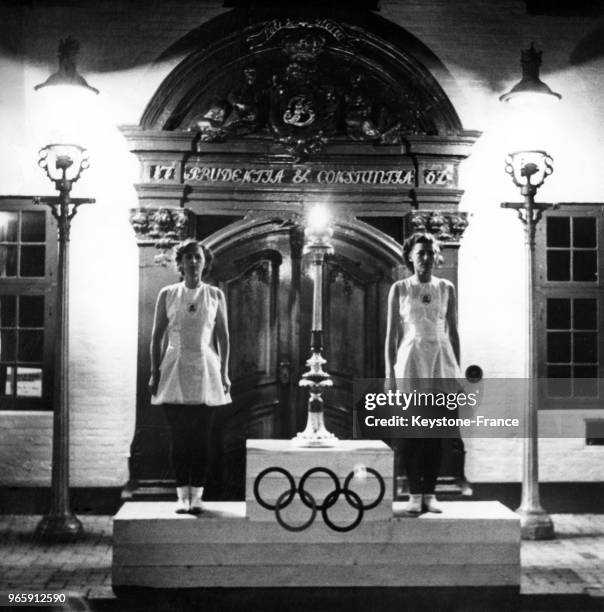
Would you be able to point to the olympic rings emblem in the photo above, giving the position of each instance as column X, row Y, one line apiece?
column 286, row 498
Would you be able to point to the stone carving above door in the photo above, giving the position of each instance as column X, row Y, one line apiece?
column 306, row 83
column 266, row 112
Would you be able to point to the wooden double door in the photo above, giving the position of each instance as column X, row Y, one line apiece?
column 260, row 266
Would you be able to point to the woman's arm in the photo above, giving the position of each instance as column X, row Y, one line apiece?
column 222, row 339
column 393, row 333
column 452, row 322
column 160, row 322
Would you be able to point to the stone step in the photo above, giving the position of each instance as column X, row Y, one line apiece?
column 294, row 575
column 347, row 554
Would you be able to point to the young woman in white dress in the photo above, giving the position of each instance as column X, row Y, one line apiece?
column 189, row 377
column 422, row 350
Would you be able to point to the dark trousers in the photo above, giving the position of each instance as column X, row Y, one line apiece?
column 422, row 457
column 192, row 438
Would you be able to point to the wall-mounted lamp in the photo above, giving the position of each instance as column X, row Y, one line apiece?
column 67, row 74
column 530, row 89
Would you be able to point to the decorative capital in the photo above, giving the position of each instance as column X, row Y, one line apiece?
column 162, row 227
column 447, row 227
column 155, row 225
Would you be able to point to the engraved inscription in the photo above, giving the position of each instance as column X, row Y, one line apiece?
column 160, row 172
column 296, row 176
column 439, row 175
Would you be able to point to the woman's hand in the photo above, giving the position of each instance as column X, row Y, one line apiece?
column 160, row 324
column 226, row 382
column 153, row 382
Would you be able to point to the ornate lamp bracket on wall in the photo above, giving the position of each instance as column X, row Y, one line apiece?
column 446, row 226
column 162, row 227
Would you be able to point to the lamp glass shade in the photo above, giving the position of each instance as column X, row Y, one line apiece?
column 530, row 90
column 65, row 103
column 67, row 73
column 531, row 99
column 66, row 114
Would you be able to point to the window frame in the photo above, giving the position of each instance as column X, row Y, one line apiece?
column 553, row 289
column 45, row 286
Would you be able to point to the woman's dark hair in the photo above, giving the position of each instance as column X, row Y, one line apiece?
column 420, row 238
column 181, row 248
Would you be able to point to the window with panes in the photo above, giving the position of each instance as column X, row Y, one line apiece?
column 27, row 300
column 570, row 305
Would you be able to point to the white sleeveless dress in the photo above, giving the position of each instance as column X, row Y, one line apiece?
column 190, row 366
column 425, row 351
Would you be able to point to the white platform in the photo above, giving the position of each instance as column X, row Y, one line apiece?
column 470, row 544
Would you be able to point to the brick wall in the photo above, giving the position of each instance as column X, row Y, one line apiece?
column 103, row 337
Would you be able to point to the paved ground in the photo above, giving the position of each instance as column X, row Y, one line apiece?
column 564, row 574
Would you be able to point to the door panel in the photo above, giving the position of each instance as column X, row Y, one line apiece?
column 354, row 325
column 254, row 272
column 251, row 305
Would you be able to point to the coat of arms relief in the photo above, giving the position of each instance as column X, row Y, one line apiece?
column 306, row 91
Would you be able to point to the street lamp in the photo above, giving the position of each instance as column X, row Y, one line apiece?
column 528, row 170
column 318, row 235
column 64, row 164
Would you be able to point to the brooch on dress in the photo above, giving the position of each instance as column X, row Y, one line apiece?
column 426, row 298
column 192, row 308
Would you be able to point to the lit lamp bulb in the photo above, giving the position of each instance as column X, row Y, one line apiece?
column 67, row 108
column 318, row 229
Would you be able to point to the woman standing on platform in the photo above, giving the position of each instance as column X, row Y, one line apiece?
column 190, row 377
column 422, row 350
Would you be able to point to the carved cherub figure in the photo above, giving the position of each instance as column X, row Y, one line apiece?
column 211, row 123
column 245, row 105
column 358, row 111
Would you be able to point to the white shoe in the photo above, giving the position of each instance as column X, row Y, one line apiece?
column 414, row 505
column 431, row 504
column 196, row 505
column 466, row 488
column 183, row 505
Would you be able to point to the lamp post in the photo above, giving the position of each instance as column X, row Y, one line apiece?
column 318, row 235
column 64, row 164
column 528, row 170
